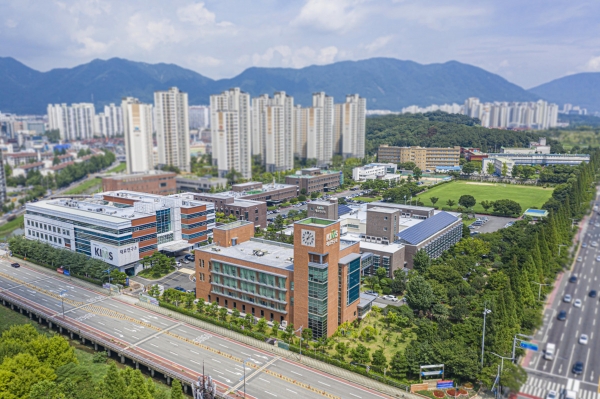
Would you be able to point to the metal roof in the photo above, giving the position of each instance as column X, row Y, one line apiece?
column 428, row 227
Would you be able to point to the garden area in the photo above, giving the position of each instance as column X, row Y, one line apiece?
column 157, row 266
column 87, row 187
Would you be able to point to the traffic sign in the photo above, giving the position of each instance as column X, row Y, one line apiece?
column 529, row 345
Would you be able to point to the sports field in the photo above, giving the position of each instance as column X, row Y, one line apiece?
column 527, row 196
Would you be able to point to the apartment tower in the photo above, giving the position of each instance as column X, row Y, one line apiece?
column 137, row 121
column 172, row 128
column 349, row 132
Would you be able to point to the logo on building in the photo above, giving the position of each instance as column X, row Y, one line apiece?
column 103, row 253
column 331, row 237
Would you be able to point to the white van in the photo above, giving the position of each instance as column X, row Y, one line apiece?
column 549, row 352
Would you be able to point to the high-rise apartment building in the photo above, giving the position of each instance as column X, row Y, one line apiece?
column 349, row 127
column 273, row 131
column 137, row 118
column 199, row 116
column 172, row 128
column 314, row 137
column 231, row 132
column 74, row 122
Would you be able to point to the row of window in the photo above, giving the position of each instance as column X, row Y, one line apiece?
column 46, row 237
column 197, row 214
column 195, row 235
column 83, row 224
column 250, row 275
column 246, row 298
column 48, row 227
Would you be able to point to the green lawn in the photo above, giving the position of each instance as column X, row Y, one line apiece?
column 12, row 225
column 86, row 186
column 527, row 196
column 118, row 169
column 367, row 199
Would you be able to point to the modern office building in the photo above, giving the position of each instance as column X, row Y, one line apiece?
column 172, row 128
column 74, row 122
column 121, row 227
column 426, row 158
column 138, row 128
column 270, row 193
column 314, row 283
column 230, row 203
column 508, row 161
column 231, row 132
column 153, row 182
column 373, row 171
column 201, row 184
column 199, row 116
column 273, row 131
column 315, row 180
column 349, row 127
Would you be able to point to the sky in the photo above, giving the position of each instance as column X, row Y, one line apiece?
column 527, row 42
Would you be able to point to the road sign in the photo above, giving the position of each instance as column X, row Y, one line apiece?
column 445, row 384
column 529, row 345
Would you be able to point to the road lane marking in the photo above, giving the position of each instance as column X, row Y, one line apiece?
column 173, row 353
column 118, row 330
column 296, row 373
column 320, row 382
column 100, row 323
column 217, row 371
column 162, row 323
column 294, row 392
column 154, row 345
column 216, row 361
column 135, row 337
column 179, row 329
column 262, row 379
column 272, row 394
column 244, row 354
column 224, row 346
column 195, row 353
column 354, row 395
column 194, row 362
column 173, row 343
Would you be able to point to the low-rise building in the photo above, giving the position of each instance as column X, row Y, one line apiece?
column 270, row 193
column 243, row 209
column 121, row 227
column 314, row 283
column 23, row 170
column 373, row 171
column 426, row 158
column 153, row 182
column 530, row 159
column 202, row 184
column 315, row 180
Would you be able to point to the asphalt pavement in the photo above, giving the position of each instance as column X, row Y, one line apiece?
column 556, row 374
column 182, row 344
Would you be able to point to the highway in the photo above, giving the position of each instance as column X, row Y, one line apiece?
column 177, row 343
column 557, row 374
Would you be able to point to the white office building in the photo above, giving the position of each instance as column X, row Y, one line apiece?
column 231, row 132
column 373, row 171
column 137, row 118
column 172, row 128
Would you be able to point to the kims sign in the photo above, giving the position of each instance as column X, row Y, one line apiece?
column 113, row 255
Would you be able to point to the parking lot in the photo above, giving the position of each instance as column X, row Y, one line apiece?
column 182, row 277
column 494, row 223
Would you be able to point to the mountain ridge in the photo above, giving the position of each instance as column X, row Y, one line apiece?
column 581, row 89
column 386, row 83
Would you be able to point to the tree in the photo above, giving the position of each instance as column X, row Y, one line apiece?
column 315, row 195
column 379, row 360
column 433, row 200
column 507, row 207
column 421, row 261
column 113, row 385
column 261, row 326
column 419, row 294
column 360, row 354
column 307, row 334
column 176, row 391
column 288, row 332
column 490, row 168
column 504, row 169
column 223, row 314
column 417, row 173
column 201, row 305
column 399, row 365
column 137, row 387
column 450, row 203
column 468, row 201
column 341, row 350
column 154, row 291
column 469, row 168
column 486, row 204
column 248, row 321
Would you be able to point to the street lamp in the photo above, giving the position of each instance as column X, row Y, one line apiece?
column 300, row 330
column 540, row 288
column 62, row 301
column 560, row 245
column 502, row 357
column 486, row 311
column 244, row 366
column 515, row 342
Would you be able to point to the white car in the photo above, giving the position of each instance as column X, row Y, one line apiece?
column 567, row 298
column 594, row 244
column 577, row 303
column 579, row 259
column 551, row 395
column 583, row 339
column 390, row 298
column 598, row 258
column 178, row 264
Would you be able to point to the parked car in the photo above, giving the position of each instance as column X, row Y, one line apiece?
column 185, row 261
column 190, row 257
column 178, row 263
column 180, row 289
column 390, row 298
column 372, row 293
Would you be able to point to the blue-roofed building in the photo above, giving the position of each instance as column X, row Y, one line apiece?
column 435, row 235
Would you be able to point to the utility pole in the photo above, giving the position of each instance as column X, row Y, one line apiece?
column 515, row 339
column 540, row 288
column 62, row 301
column 244, row 366
column 486, row 311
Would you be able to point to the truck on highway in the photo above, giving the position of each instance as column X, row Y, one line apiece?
column 550, row 350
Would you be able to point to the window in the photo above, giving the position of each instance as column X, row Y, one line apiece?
column 202, row 263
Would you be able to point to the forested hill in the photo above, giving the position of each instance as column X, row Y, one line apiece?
column 439, row 129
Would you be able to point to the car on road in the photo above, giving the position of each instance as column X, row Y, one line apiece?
column 583, row 339
column 579, row 259
column 15, row 265
column 594, row 243
column 577, row 303
column 178, row 288
column 390, row 298
column 551, row 394
column 598, row 258
column 567, row 298
column 562, row 315
column 584, row 245
column 372, row 293
column 593, row 294
column 578, row 368
column 573, row 279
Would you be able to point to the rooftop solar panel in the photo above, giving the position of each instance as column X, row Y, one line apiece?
column 343, row 209
column 428, row 227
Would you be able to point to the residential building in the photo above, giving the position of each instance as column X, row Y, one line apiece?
column 426, row 158
column 110, row 122
column 349, row 127
column 314, row 283
column 231, row 132
column 152, row 182
column 314, row 130
column 74, row 122
column 172, row 128
column 373, row 171
column 229, row 203
column 3, row 177
column 199, row 116
column 138, row 128
column 202, row 184
column 313, row 180
column 121, row 227
column 273, row 131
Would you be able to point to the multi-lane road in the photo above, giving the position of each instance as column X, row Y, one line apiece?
column 179, row 344
column 556, row 374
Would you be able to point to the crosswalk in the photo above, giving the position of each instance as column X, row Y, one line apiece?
column 539, row 387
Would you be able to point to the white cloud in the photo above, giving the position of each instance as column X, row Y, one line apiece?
column 593, row 65
column 328, row 15
column 198, row 14
column 89, row 46
column 440, row 16
column 147, row 34
column 284, row 56
column 205, row 61
column 378, row 43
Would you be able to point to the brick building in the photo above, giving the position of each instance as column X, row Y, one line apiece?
column 315, row 180
column 243, row 209
column 154, row 182
column 425, row 158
